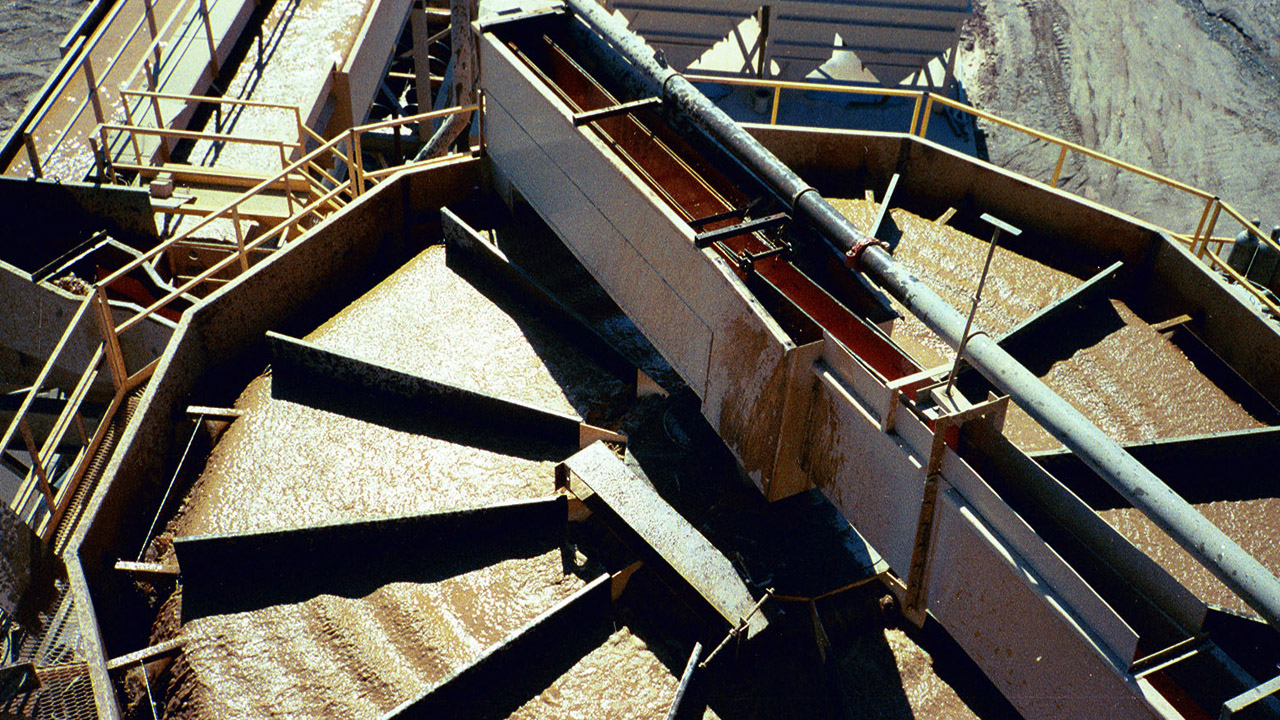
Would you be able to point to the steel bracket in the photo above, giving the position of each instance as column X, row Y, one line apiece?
column 703, row 239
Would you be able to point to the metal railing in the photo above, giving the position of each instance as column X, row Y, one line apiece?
column 1197, row 241
column 95, row 78
column 326, row 194
column 44, row 494
column 47, row 488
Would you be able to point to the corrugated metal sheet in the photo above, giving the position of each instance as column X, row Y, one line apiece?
column 892, row 38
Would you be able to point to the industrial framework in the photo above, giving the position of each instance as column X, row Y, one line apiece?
column 780, row 314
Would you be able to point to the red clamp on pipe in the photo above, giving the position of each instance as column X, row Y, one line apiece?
column 851, row 257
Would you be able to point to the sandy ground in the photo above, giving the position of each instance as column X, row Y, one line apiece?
column 1185, row 87
column 29, row 34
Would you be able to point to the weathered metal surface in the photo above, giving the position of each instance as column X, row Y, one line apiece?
column 1000, row 611
column 306, row 373
column 1221, row 555
column 522, row 664
column 687, row 302
column 662, row 538
column 244, row 571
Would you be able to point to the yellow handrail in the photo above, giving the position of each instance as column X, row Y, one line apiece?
column 948, row 102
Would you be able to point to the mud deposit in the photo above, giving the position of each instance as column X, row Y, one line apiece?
column 1187, row 88
column 1251, row 523
column 951, row 261
column 1135, row 385
column 283, row 464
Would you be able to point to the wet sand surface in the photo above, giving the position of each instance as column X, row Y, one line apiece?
column 301, row 41
column 635, row 685
column 1133, row 383
column 951, row 261
column 283, row 464
column 1252, row 523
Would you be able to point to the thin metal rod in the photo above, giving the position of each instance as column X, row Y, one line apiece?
column 973, row 311
column 1202, row 539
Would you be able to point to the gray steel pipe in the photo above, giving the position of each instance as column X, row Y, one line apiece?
column 1202, row 539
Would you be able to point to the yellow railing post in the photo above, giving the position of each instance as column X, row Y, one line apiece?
column 37, row 465
column 1057, row 169
column 288, row 190
column 928, row 112
column 357, row 161
column 1208, row 231
column 915, row 114
column 92, row 81
column 107, row 326
column 33, row 157
column 133, row 138
column 208, row 33
column 147, row 6
column 777, row 100
column 235, row 220
column 1204, row 217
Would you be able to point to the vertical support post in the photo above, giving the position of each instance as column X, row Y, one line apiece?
column 1208, row 231
column 98, row 162
column 33, row 156
column 92, row 81
column 151, row 25
column 208, row 33
column 357, row 161
column 1204, row 217
column 235, row 220
column 1057, row 169
column 915, row 114
column 80, row 428
column 288, row 188
column 777, row 99
column 37, row 464
column 421, row 63
column 155, row 109
column 928, row 112
column 133, row 137
column 763, row 68
column 111, row 341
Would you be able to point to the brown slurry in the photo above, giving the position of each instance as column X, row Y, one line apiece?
column 951, row 261
column 1136, row 386
column 1251, row 523
column 283, row 464
column 621, row 680
column 425, row 319
column 359, row 657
